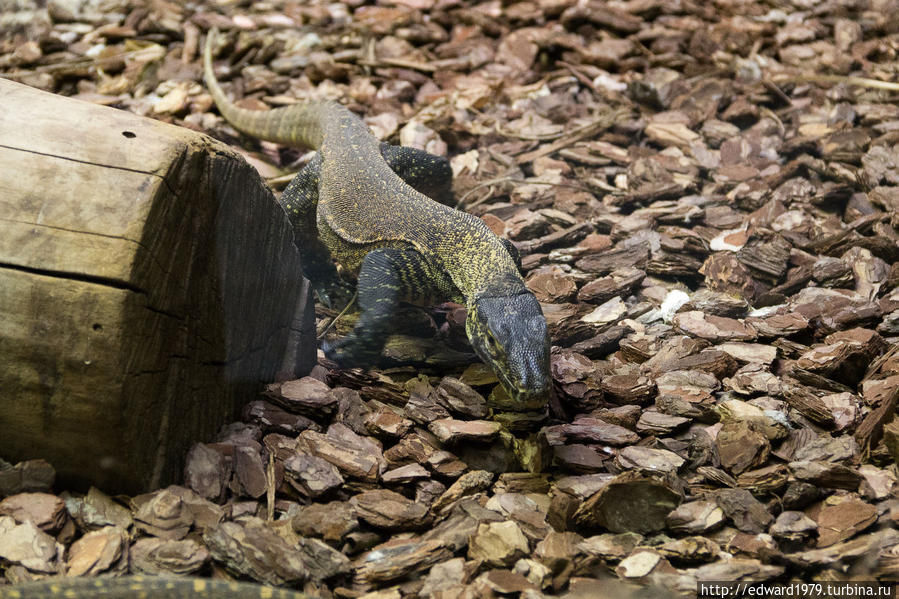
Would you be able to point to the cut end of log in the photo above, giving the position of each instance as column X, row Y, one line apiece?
column 149, row 285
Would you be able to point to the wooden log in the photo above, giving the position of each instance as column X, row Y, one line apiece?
column 148, row 286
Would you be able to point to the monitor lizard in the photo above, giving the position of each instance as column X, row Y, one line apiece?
column 363, row 203
column 360, row 202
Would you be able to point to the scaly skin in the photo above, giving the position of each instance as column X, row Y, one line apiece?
column 144, row 587
column 353, row 205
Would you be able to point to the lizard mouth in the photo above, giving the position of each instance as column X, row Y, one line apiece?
column 516, row 398
column 528, row 386
column 531, row 399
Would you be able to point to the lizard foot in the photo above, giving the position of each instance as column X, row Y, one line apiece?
column 334, row 295
column 350, row 353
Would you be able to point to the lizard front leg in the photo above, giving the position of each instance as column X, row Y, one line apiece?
column 299, row 200
column 387, row 277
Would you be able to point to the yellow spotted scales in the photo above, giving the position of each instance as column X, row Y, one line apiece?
column 369, row 206
column 364, row 204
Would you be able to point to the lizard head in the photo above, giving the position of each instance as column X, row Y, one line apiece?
column 508, row 332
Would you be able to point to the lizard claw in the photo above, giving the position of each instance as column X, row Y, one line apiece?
column 333, row 296
column 324, row 295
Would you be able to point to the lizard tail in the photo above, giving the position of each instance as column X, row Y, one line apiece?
column 295, row 125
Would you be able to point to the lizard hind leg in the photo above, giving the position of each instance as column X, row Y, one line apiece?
column 387, row 277
column 425, row 172
column 513, row 251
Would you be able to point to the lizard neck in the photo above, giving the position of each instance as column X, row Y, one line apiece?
column 479, row 265
column 505, row 284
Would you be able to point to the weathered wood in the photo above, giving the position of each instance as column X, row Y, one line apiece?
column 148, row 285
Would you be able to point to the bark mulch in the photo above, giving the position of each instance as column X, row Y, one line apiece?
column 705, row 197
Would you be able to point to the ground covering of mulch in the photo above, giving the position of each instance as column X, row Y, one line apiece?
column 704, row 195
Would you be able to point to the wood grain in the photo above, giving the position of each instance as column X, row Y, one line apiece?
column 148, row 287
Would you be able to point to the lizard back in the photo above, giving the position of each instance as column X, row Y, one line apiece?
column 361, row 200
